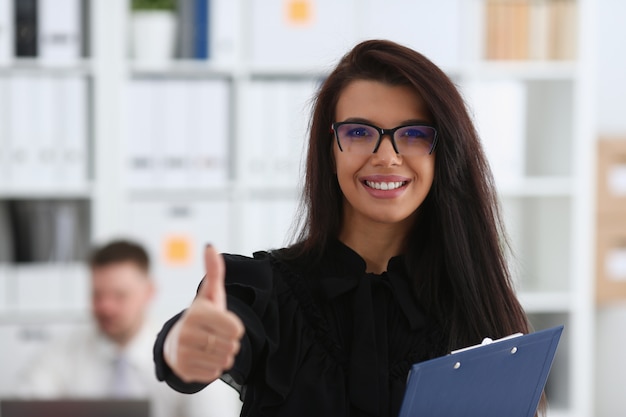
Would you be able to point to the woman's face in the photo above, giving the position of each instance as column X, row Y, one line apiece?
column 382, row 187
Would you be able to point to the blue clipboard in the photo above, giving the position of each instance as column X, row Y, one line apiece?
column 503, row 378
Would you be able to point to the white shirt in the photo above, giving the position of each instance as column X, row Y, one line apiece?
column 83, row 366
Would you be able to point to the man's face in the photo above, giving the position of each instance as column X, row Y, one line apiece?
column 121, row 293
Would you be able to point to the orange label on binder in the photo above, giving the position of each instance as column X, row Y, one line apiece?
column 177, row 250
column 299, row 12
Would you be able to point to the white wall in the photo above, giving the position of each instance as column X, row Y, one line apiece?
column 610, row 395
column 611, row 67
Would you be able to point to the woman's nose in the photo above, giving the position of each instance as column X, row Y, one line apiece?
column 386, row 154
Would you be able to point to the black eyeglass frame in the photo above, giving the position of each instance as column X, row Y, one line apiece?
column 382, row 132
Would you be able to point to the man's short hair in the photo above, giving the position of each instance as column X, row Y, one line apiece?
column 120, row 251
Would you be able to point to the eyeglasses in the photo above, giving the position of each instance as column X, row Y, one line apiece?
column 364, row 138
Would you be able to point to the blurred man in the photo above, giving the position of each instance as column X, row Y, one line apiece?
column 113, row 358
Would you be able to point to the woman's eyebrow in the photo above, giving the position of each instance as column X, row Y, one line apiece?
column 402, row 123
column 358, row 120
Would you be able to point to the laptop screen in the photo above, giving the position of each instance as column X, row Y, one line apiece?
column 75, row 408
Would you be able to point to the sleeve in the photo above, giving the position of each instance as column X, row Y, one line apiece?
column 163, row 371
column 249, row 289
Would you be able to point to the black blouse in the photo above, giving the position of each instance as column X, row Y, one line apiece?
column 331, row 340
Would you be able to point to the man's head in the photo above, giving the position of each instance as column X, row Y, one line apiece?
column 121, row 289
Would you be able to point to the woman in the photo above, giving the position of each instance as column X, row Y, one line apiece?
column 400, row 256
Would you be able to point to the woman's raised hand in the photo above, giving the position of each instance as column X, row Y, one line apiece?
column 204, row 341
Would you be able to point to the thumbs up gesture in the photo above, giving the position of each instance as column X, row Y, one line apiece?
column 204, row 341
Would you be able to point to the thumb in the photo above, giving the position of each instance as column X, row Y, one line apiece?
column 212, row 287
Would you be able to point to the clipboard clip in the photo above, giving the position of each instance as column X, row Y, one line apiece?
column 487, row 341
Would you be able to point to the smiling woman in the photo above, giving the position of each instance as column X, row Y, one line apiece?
column 386, row 270
column 384, row 188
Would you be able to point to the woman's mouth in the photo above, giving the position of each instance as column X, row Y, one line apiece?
column 390, row 185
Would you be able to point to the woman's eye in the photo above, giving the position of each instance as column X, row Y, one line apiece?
column 358, row 132
column 414, row 133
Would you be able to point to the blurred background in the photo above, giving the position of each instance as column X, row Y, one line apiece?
column 179, row 123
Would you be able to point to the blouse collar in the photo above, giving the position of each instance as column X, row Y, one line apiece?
column 343, row 270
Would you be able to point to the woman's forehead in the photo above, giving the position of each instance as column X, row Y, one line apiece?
column 380, row 103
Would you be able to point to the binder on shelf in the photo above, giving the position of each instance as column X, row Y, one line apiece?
column 59, row 31
column 252, row 149
column 185, row 29
column 172, row 133
column 26, row 28
column 7, row 32
column 71, row 231
column 520, row 30
column 85, row 27
column 531, row 29
column 22, row 149
column 6, row 298
column 539, row 36
column 193, row 29
column 140, row 139
column 224, row 27
column 73, row 138
column 507, row 29
column 278, row 113
column 49, row 231
column 209, row 132
column 565, row 29
column 52, row 153
column 44, row 146
column 33, row 230
column 201, row 33
column 6, row 235
column 290, row 118
column 179, row 133
column 299, row 101
column 5, row 119
column 503, row 378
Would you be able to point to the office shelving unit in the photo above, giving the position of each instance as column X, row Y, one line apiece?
column 547, row 204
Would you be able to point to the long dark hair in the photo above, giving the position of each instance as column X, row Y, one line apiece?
column 457, row 248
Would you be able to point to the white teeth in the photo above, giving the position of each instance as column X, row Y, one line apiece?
column 384, row 185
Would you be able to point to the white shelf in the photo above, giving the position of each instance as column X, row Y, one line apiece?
column 537, row 187
column 522, row 70
column 194, row 194
column 45, row 316
column 560, row 412
column 183, row 68
column 268, row 71
column 81, row 192
column 35, row 66
column 548, row 302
